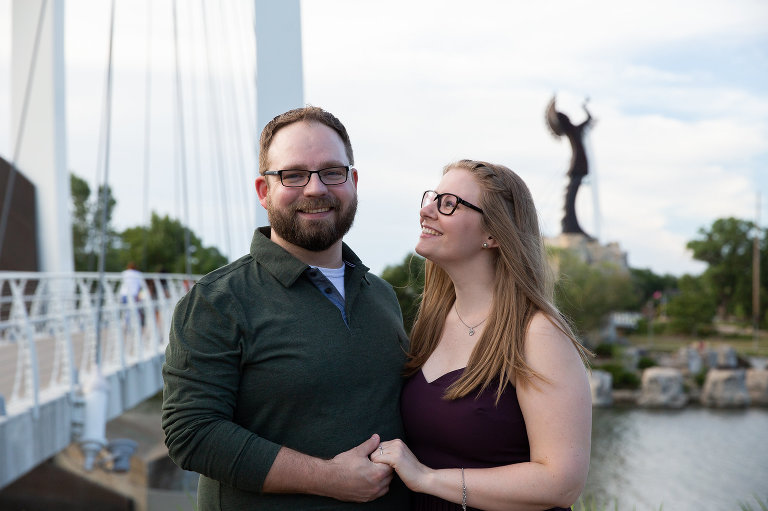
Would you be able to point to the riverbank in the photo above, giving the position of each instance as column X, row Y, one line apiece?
column 677, row 372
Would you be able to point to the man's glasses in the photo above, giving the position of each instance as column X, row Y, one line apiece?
column 446, row 202
column 298, row 178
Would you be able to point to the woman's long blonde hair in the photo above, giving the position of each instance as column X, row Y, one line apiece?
column 523, row 287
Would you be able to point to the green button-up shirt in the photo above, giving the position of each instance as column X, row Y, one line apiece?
column 259, row 358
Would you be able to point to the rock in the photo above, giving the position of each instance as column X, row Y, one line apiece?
column 691, row 359
column 710, row 357
column 662, row 387
column 630, row 357
column 601, row 384
column 757, row 386
column 726, row 357
column 725, row 388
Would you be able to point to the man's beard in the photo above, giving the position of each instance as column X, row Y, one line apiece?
column 314, row 235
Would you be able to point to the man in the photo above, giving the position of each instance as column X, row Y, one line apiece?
column 283, row 371
column 131, row 286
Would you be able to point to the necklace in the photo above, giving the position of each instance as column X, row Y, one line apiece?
column 471, row 328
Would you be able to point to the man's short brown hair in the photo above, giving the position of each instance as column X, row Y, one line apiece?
column 309, row 113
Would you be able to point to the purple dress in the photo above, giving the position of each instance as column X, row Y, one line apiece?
column 466, row 432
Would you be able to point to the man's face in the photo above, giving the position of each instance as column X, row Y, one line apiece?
column 315, row 216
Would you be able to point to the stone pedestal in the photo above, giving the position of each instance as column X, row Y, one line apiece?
column 601, row 385
column 589, row 250
column 757, row 386
column 662, row 387
column 725, row 388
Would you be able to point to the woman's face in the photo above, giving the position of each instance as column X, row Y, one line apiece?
column 458, row 237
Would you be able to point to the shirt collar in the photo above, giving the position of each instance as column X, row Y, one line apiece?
column 284, row 266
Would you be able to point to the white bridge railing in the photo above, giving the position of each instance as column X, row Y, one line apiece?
column 54, row 336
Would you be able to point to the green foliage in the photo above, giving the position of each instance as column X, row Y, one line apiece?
column 407, row 279
column 646, row 283
column 86, row 227
column 622, row 379
column 604, row 350
column 587, row 293
column 701, row 377
column 727, row 248
column 162, row 247
column 692, row 311
column 645, row 363
column 746, row 506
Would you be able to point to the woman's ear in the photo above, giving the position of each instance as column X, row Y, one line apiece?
column 491, row 242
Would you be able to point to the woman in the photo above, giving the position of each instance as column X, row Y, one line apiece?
column 497, row 409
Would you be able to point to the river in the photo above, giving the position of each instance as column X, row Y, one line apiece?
column 678, row 460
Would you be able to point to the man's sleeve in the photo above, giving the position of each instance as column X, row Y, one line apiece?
column 201, row 376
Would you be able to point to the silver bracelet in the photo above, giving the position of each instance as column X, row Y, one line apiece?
column 463, row 492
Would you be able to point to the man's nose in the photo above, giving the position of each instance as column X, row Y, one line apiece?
column 315, row 186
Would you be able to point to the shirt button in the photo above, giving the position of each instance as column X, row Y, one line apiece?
column 313, row 273
column 328, row 290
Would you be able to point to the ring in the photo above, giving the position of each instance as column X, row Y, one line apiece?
column 381, row 450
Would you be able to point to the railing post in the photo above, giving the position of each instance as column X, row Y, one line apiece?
column 19, row 314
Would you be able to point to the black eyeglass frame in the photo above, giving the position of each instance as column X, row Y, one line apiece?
column 459, row 200
column 279, row 173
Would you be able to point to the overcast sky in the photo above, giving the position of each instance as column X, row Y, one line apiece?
column 679, row 91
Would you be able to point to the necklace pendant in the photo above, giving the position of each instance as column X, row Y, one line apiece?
column 471, row 331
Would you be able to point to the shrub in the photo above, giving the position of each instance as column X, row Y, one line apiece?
column 604, row 350
column 622, row 379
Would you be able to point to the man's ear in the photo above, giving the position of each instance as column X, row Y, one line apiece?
column 354, row 176
column 262, row 188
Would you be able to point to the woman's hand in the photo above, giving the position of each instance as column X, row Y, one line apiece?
column 398, row 456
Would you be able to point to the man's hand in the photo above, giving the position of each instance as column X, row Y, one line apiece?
column 355, row 478
column 350, row 476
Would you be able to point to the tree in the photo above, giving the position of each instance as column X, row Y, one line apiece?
column 586, row 293
column 646, row 283
column 161, row 248
column 692, row 310
column 727, row 249
column 86, row 227
column 407, row 279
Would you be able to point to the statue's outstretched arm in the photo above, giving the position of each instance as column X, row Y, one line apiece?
column 552, row 120
column 589, row 118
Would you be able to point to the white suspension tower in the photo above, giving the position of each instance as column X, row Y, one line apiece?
column 41, row 137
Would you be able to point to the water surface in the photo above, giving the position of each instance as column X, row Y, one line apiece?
column 692, row 459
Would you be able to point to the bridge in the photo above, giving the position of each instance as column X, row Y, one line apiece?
column 67, row 365
column 74, row 353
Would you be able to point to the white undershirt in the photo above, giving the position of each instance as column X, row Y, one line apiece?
column 336, row 276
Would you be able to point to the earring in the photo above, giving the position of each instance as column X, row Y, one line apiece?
column 485, row 245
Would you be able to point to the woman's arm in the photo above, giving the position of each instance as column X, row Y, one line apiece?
column 558, row 417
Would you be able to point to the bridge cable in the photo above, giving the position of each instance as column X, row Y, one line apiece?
column 231, row 100
column 182, row 146
column 196, row 131
column 248, row 119
column 22, row 124
column 107, row 125
column 212, row 93
column 147, row 138
column 229, row 149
